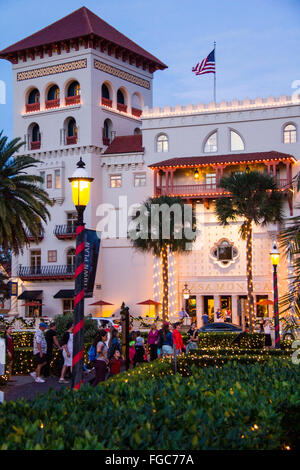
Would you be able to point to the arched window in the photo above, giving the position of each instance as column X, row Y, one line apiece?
column 34, row 96
column 53, row 93
column 137, row 131
column 120, row 97
column 105, row 92
column 289, row 134
column 35, row 134
column 236, row 142
column 71, row 131
column 73, row 89
column 162, row 143
column 71, row 257
column 211, row 143
column 107, row 128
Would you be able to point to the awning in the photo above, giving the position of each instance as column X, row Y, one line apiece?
column 65, row 294
column 30, row 294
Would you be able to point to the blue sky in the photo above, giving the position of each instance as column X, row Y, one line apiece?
column 257, row 43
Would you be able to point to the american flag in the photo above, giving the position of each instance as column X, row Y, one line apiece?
column 207, row 65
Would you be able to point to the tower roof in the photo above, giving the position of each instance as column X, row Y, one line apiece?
column 81, row 24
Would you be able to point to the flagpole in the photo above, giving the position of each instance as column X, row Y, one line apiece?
column 215, row 99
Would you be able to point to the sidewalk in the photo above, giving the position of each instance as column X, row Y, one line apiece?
column 25, row 387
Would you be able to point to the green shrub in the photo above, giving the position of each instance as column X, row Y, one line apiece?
column 224, row 340
column 90, row 327
column 240, row 352
column 232, row 407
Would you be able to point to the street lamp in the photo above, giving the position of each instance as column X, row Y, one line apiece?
column 81, row 195
column 275, row 260
column 186, row 292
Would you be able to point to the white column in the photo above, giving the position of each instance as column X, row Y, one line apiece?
column 199, row 310
column 234, row 309
column 217, row 304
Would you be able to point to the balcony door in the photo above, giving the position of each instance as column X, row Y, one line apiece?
column 35, row 261
column 210, row 180
column 71, row 222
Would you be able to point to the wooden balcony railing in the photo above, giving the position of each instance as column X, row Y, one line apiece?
column 72, row 100
column 71, row 140
column 106, row 141
column 35, row 145
column 202, row 189
column 122, row 107
column 106, row 102
column 55, row 272
column 31, row 238
column 31, row 107
column 136, row 112
column 64, row 232
column 52, row 103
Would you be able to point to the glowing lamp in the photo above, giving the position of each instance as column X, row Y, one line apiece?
column 80, row 185
column 186, row 292
column 274, row 255
column 196, row 175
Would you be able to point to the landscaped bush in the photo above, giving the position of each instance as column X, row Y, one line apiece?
column 241, row 352
column 224, row 340
column 233, row 407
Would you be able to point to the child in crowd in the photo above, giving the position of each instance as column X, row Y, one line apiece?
column 115, row 363
column 139, row 356
column 177, row 339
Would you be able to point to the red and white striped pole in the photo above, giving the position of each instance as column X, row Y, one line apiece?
column 275, row 260
column 80, row 194
column 78, row 340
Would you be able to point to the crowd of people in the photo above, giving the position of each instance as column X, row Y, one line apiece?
column 106, row 355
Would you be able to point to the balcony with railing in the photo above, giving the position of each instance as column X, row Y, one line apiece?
column 136, row 112
column 72, row 100
column 54, row 272
column 65, row 232
column 35, row 145
column 31, row 238
column 122, row 107
column 71, row 140
column 32, row 107
column 52, row 103
column 106, row 102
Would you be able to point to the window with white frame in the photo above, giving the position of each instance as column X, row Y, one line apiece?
column 289, row 134
column 139, row 180
column 52, row 256
column 236, row 142
column 68, row 306
column 115, row 181
column 211, row 143
column 57, row 179
column 210, row 179
column 162, row 143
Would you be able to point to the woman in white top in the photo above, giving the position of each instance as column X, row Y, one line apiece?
column 267, row 331
column 67, row 350
column 101, row 361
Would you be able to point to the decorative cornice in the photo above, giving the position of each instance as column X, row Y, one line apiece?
column 52, row 70
column 129, row 77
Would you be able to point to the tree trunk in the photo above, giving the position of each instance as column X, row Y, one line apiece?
column 165, row 283
column 249, row 253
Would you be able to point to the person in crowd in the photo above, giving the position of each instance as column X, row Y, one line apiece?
column 114, row 343
column 9, row 344
column 139, row 356
column 267, row 331
column 177, row 340
column 204, row 318
column 193, row 334
column 183, row 316
column 115, row 363
column 228, row 315
column 152, row 341
column 165, row 340
column 39, row 352
column 51, row 340
column 261, row 327
column 101, row 361
column 67, row 350
column 219, row 314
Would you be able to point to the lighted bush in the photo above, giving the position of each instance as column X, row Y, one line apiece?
column 224, row 340
column 233, row 407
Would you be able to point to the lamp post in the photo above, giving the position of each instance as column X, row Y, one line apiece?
column 275, row 260
column 81, row 194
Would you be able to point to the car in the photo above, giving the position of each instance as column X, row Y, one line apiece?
column 107, row 322
column 220, row 327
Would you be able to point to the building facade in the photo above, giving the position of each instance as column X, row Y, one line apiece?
column 91, row 97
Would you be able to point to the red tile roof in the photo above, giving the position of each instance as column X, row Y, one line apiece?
column 125, row 144
column 78, row 24
column 229, row 158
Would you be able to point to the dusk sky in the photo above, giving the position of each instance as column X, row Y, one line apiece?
column 257, row 50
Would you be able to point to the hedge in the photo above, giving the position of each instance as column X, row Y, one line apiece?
column 240, row 352
column 223, row 340
column 233, row 407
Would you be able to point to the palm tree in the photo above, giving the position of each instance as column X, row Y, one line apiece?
column 160, row 234
column 254, row 199
column 22, row 200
